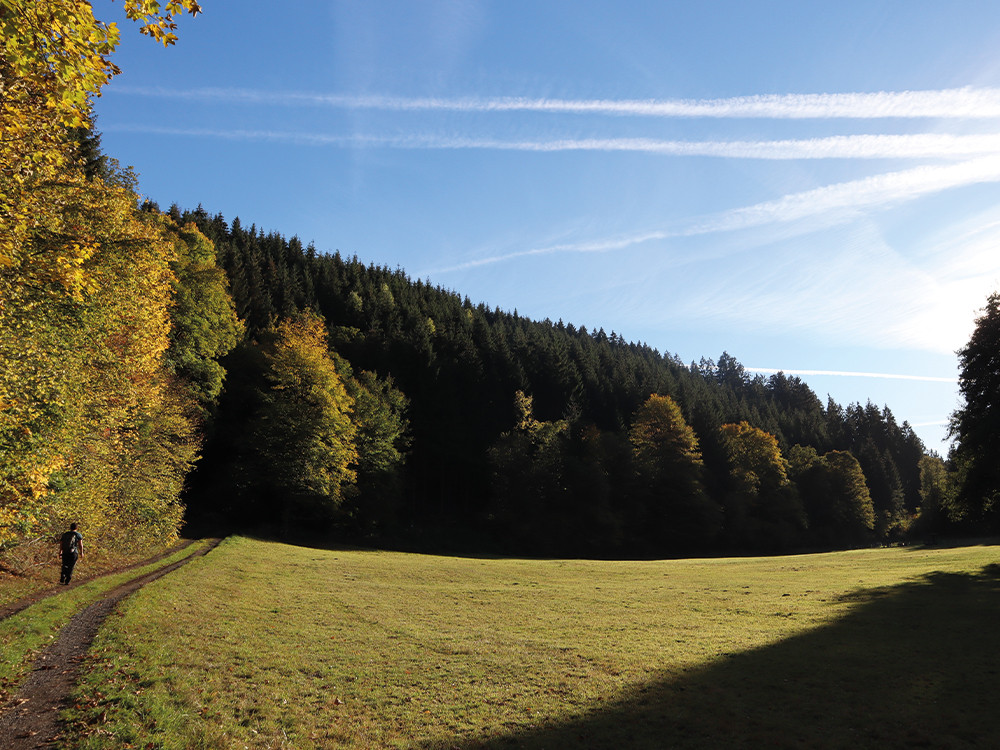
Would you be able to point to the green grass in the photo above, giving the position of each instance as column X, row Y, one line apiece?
column 27, row 632
column 266, row 645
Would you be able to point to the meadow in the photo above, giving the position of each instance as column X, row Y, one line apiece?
column 267, row 645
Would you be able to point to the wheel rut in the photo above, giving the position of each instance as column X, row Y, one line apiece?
column 31, row 720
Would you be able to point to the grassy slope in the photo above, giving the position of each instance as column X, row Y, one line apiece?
column 268, row 645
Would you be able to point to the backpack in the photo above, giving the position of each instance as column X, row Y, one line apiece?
column 69, row 542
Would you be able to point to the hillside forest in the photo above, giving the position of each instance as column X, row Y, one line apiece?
column 162, row 368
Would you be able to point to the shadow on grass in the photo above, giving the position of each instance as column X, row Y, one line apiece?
column 912, row 666
column 936, row 542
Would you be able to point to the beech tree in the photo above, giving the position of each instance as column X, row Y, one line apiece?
column 382, row 438
column 836, row 498
column 762, row 505
column 83, row 384
column 81, row 379
column 663, row 442
column 304, row 438
column 204, row 326
column 528, row 478
column 672, row 506
column 55, row 58
column 937, row 497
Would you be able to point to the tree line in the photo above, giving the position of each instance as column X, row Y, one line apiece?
column 522, row 435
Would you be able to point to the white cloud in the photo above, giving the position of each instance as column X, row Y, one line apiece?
column 852, row 288
column 924, row 305
column 855, row 196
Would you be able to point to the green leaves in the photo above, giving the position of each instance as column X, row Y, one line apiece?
column 204, row 323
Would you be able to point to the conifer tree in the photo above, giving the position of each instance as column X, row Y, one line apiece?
column 976, row 425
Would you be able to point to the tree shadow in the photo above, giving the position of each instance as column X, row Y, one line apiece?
column 937, row 542
column 916, row 665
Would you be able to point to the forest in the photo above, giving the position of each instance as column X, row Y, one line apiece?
column 162, row 370
column 511, row 435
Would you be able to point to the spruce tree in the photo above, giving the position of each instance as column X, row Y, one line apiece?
column 977, row 424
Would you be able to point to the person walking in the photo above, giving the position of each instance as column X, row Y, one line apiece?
column 71, row 547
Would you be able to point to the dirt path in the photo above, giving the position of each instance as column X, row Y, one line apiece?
column 14, row 607
column 32, row 720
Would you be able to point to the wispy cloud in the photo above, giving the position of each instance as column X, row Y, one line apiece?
column 964, row 103
column 830, row 205
column 849, row 374
column 855, row 195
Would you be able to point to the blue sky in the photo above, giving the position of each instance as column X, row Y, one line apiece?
column 813, row 187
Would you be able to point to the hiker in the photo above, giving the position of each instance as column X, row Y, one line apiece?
column 71, row 547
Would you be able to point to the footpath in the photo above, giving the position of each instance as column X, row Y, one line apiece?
column 31, row 719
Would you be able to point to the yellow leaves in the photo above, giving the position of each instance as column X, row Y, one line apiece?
column 84, row 323
column 85, row 283
column 55, row 58
column 59, row 51
column 660, row 432
column 309, row 434
column 156, row 24
column 14, row 523
column 754, row 457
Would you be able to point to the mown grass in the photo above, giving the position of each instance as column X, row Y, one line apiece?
column 24, row 634
column 266, row 645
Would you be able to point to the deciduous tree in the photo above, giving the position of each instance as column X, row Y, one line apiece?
column 82, row 380
column 204, row 326
column 305, row 437
column 672, row 506
column 762, row 507
column 55, row 57
column 528, row 479
column 937, row 497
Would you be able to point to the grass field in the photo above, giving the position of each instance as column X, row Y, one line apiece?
column 267, row 645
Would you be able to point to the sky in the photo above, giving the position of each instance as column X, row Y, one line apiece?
column 810, row 187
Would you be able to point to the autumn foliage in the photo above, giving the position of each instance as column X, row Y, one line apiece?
column 93, row 425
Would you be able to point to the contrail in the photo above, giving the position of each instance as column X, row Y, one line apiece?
column 843, row 199
column 959, row 103
column 850, row 374
column 879, row 190
column 940, row 146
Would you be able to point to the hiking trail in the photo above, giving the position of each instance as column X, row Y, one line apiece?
column 31, row 719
